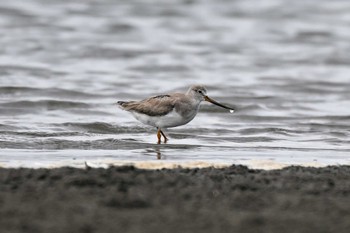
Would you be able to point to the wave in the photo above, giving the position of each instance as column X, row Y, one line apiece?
column 17, row 91
column 48, row 104
column 100, row 144
column 102, row 128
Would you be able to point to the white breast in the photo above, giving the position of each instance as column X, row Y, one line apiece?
column 172, row 119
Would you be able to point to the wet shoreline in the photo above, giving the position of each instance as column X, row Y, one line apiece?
column 127, row 199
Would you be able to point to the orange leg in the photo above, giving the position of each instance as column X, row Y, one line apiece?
column 165, row 138
column 159, row 136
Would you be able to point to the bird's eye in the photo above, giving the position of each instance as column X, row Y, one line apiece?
column 200, row 92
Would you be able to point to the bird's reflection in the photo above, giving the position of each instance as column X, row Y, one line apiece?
column 155, row 151
column 159, row 154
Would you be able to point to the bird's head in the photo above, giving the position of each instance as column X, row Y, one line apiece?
column 199, row 93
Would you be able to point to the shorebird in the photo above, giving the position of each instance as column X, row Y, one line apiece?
column 170, row 110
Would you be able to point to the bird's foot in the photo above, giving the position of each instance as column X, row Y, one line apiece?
column 165, row 138
column 159, row 136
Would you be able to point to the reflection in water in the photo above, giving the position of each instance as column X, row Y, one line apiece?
column 159, row 154
column 154, row 152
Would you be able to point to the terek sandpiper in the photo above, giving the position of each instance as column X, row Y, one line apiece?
column 170, row 110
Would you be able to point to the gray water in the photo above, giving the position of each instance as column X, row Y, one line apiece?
column 284, row 65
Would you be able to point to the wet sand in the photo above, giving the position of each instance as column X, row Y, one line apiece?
column 126, row 199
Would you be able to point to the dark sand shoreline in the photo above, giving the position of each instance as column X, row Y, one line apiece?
column 126, row 199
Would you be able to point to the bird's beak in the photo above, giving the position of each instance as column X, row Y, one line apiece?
column 206, row 98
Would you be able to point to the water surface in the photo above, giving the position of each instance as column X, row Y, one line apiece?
column 283, row 65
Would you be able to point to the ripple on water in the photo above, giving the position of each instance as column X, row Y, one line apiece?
column 18, row 92
column 48, row 104
column 284, row 70
column 103, row 128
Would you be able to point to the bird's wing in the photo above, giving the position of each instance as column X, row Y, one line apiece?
column 155, row 106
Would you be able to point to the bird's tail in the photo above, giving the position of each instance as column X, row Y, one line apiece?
column 123, row 104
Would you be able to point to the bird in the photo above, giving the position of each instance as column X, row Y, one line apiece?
column 169, row 110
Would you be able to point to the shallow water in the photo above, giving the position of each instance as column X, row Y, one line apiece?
column 283, row 65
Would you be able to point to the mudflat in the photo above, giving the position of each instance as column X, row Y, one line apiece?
column 127, row 199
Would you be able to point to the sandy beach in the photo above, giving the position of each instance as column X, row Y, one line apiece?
column 127, row 199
